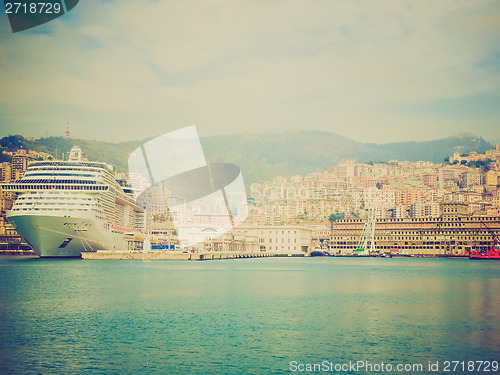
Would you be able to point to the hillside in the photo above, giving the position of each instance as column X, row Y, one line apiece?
column 265, row 156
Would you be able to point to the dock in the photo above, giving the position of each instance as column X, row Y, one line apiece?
column 177, row 255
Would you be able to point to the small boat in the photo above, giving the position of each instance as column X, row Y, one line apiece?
column 493, row 253
column 317, row 253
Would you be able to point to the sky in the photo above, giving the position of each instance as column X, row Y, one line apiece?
column 373, row 71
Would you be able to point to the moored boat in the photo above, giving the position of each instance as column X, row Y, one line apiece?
column 64, row 208
column 493, row 253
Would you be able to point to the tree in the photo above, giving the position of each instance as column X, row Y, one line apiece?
column 337, row 216
column 12, row 142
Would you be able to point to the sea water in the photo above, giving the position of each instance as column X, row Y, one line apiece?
column 248, row 316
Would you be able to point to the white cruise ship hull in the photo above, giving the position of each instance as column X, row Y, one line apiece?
column 64, row 208
column 56, row 236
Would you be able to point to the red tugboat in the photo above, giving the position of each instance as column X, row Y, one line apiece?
column 492, row 253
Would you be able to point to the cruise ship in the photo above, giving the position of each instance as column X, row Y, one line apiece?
column 64, row 208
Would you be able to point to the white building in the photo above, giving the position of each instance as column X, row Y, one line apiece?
column 281, row 239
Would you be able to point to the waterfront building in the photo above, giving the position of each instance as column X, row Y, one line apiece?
column 453, row 235
column 320, row 235
column 212, row 238
column 162, row 228
column 281, row 238
column 237, row 241
column 9, row 239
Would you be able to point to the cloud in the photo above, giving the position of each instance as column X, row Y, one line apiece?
column 149, row 67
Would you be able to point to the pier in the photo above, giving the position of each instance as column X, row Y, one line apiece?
column 175, row 255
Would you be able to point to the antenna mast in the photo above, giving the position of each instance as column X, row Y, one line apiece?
column 67, row 127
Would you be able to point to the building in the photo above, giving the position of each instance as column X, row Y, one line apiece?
column 491, row 178
column 422, row 236
column 20, row 161
column 472, row 177
column 6, row 201
column 493, row 154
column 320, row 235
column 430, row 179
column 281, row 239
column 454, row 209
column 6, row 172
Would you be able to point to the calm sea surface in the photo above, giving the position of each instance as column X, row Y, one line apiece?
column 248, row 316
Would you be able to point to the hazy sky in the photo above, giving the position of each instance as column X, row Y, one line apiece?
column 373, row 71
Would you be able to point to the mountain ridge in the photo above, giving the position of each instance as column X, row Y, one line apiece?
column 263, row 156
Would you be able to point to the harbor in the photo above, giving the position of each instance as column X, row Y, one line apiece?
column 250, row 187
column 94, row 211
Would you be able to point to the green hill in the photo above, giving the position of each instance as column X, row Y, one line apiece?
column 265, row 156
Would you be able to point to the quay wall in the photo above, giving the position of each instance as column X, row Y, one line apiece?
column 171, row 255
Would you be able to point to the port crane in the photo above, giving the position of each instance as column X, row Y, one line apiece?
column 366, row 243
column 492, row 234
